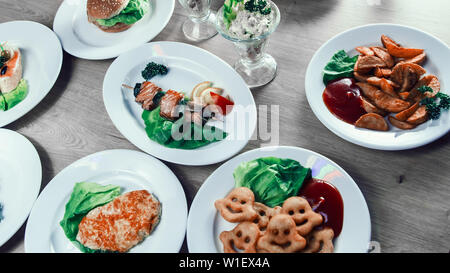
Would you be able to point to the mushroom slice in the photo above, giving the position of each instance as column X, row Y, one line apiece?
column 383, row 100
column 372, row 121
column 365, row 50
column 383, row 54
column 370, row 108
column 365, row 64
column 401, row 124
column 405, row 114
column 419, row 116
column 396, row 50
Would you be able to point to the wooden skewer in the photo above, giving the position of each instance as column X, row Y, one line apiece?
column 127, row 86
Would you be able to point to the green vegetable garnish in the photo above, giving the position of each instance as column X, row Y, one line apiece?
column 258, row 6
column 424, row 89
column 132, row 13
column 271, row 179
column 11, row 99
column 152, row 69
column 85, row 197
column 3, row 60
column 340, row 66
column 230, row 10
column 433, row 108
column 160, row 130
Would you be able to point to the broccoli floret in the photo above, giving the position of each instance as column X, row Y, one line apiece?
column 152, row 69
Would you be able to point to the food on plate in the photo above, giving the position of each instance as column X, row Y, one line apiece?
column 281, row 236
column 237, row 206
column 340, row 66
column 176, row 121
column 247, row 19
column 305, row 222
column 320, row 241
column 13, row 89
column 271, row 179
column 383, row 84
column 116, row 15
column 301, row 212
column 153, row 69
column 98, row 219
column 244, row 237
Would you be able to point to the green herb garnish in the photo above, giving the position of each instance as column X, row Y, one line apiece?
column 258, row 6
column 340, row 66
column 434, row 108
column 152, row 69
column 423, row 89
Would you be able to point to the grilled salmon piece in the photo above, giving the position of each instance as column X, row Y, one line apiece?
column 120, row 224
column 11, row 72
column 146, row 94
column 169, row 104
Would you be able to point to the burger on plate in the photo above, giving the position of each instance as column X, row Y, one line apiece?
column 116, row 15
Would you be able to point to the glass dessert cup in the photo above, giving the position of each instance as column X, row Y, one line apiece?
column 256, row 67
column 198, row 26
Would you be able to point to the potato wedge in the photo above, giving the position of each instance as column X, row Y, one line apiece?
column 372, row 121
column 365, row 64
column 365, row 50
column 405, row 114
column 370, row 108
column 401, row 124
column 381, row 99
column 387, row 87
column 397, row 51
column 419, row 116
column 384, row 55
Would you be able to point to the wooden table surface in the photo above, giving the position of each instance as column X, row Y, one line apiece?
column 408, row 192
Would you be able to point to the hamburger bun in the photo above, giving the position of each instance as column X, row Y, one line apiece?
column 105, row 9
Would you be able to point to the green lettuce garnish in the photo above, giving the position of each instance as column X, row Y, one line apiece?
column 11, row 99
column 133, row 12
column 160, row 130
column 340, row 66
column 271, row 179
column 85, row 197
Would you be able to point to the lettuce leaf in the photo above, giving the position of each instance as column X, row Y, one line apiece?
column 85, row 197
column 271, row 179
column 11, row 99
column 133, row 12
column 160, row 130
column 341, row 65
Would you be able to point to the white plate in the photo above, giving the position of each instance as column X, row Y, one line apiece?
column 85, row 40
column 131, row 170
column 41, row 59
column 20, row 181
column 188, row 66
column 205, row 223
column 438, row 57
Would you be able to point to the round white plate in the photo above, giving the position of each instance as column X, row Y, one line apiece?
column 85, row 40
column 41, row 59
column 131, row 170
column 205, row 223
column 438, row 57
column 20, row 181
column 188, row 66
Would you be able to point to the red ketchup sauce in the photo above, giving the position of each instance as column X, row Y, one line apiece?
column 342, row 97
column 326, row 200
